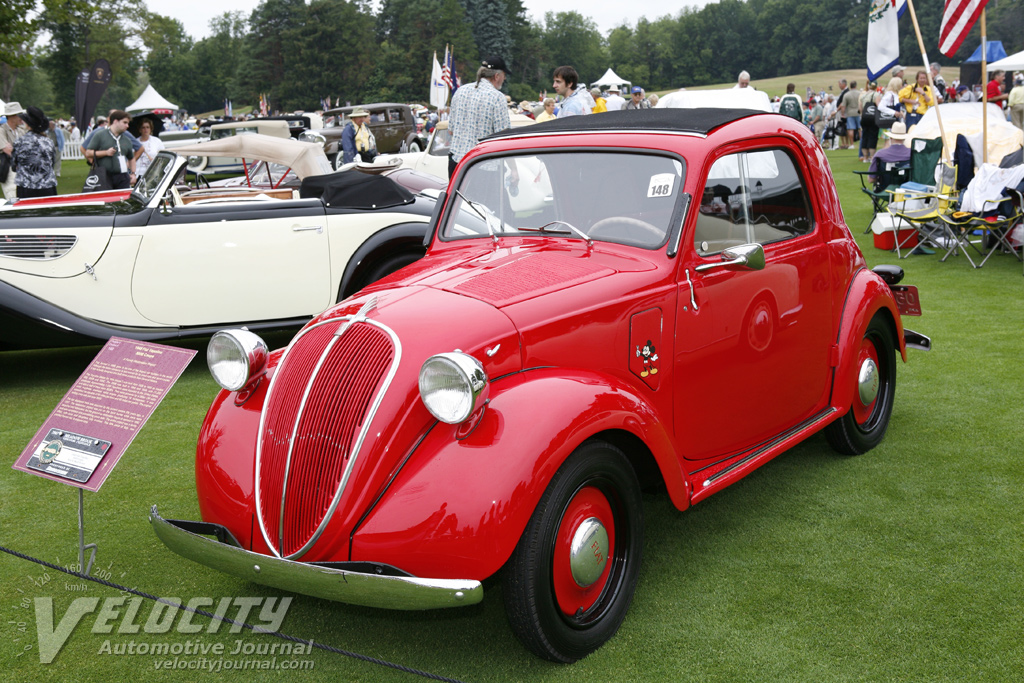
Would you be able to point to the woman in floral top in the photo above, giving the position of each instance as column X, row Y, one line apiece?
column 33, row 157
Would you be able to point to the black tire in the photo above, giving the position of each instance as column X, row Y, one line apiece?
column 415, row 146
column 863, row 426
column 380, row 270
column 337, row 161
column 539, row 585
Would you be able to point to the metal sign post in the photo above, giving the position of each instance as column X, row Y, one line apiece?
column 82, row 547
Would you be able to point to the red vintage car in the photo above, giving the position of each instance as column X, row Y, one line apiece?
column 664, row 298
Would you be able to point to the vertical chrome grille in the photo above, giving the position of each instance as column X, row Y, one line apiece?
column 320, row 404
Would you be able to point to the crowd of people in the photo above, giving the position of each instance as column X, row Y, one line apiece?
column 33, row 145
column 856, row 117
column 479, row 109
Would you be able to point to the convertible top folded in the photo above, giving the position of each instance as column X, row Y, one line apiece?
column 356, row 190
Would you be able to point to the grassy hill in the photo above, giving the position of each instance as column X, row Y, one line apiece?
column 819, row 80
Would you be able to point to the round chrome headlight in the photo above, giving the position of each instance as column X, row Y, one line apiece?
column 453, row 386
column 235, row 357
column 310, row 136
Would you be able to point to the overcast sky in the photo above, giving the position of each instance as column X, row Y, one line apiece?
column 195, row 15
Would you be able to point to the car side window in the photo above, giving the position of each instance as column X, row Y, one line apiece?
column 751, row 197
column 394, row 115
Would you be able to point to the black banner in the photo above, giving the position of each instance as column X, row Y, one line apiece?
column 89, row 88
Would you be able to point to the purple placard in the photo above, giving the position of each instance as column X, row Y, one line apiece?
column 102, row 412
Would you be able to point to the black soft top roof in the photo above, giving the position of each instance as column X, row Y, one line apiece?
column 355, row 190
column 701, row 121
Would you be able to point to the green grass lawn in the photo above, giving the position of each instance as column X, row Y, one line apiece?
column 903, row 564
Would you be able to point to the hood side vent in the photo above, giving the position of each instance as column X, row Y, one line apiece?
column 36, row 247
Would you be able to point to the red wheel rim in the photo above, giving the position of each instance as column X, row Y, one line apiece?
column 862, row 411
column 572, row 598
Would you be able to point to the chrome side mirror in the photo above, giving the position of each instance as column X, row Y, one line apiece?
column 165, row 207
column 743, row 257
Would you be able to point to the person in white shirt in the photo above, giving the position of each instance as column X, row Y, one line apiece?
column 151, row 144
column 742, row 81
column 614, row 101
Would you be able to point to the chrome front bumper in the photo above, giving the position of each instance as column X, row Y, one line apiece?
column 355, row 583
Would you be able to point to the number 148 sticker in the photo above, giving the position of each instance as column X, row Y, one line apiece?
column 661, row 185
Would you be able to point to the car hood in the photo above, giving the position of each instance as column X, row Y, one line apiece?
column 537, row 280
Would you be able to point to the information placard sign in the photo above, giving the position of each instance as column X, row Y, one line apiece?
column 93, row 425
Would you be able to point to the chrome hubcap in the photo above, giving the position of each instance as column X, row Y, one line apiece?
column 589, row 552
column 867, row 383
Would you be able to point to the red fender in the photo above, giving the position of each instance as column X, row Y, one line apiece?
column 458, row 507
column 867, row 295
column 226, row 459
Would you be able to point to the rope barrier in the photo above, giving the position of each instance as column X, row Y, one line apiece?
column 242, row 624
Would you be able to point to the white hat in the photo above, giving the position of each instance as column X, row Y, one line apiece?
column 13, row 109
column 898, row 131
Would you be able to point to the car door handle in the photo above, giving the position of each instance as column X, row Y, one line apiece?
column 302, row 228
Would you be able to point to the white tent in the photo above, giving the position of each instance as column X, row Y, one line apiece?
column 611, row 78
column 150, row 99
column 965, row 118
column 735, row 98
column 1014, row 62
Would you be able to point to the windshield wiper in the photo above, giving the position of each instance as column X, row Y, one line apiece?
column 547, row 227
column 477, row 208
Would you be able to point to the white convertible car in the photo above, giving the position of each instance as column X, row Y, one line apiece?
column 169, row 260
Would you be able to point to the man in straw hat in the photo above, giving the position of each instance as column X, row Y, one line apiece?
column 9, row 132
column 895, row 153
column 356, row 139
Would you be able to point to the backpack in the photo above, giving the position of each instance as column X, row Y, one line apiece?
column 790, row 106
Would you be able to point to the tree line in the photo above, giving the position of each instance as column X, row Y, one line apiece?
column 298, row 53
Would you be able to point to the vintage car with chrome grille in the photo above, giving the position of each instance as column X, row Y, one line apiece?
column 686, row 304
column 269, row 249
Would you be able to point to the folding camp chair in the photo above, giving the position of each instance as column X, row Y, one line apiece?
column 920, row 207
column 879, row 183
column 987, row 231
column 924, row 160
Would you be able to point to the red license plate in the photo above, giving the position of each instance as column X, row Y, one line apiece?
column 907, row 299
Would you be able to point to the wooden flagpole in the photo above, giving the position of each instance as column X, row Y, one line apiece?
column 928, row 70
column 984, row 92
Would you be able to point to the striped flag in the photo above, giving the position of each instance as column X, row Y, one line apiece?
column 446, row 69
column 957, row 20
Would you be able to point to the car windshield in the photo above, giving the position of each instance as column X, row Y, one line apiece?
column 229, row 132
column 441, row 142
column 270, row 174
column 622, row 197
column 147, row 185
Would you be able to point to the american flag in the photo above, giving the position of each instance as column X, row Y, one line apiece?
column 446, row 69
column 957, row 20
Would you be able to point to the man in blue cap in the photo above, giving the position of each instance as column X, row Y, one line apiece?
column 637, row 99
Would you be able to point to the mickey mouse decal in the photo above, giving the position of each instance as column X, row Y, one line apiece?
column 650, row 357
